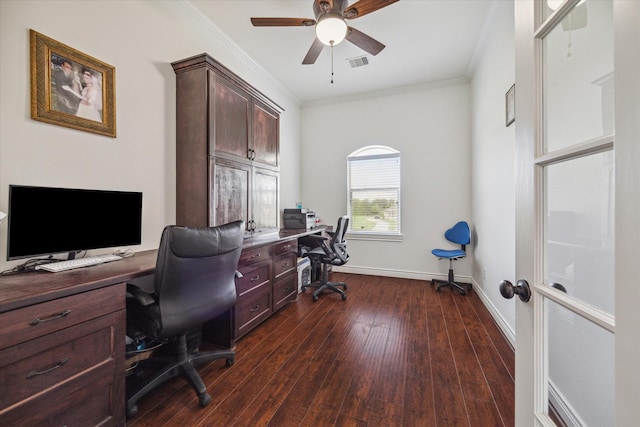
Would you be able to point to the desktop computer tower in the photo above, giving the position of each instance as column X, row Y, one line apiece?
column 304, row 272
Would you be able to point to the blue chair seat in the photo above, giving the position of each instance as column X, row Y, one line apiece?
column 449, row 254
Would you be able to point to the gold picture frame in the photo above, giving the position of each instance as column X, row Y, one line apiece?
column 70, row 88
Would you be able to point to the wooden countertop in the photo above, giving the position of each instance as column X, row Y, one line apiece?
column 21, row 290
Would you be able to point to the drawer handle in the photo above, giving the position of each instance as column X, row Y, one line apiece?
column 256, row 255
column 285, row 264
column 286, row 290
column 37, row 320
column 256, row 308
column 253, row 279
column 287, row 246
column 56, row 366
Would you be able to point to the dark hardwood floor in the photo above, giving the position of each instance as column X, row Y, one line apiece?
column 395, row 353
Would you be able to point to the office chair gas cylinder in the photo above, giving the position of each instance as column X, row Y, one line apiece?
column 461, row 235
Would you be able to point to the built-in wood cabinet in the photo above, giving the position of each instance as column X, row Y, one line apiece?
column 269, row 281
column 62, row 361
column 227, row 168
column 227, row 149
column 246, row 128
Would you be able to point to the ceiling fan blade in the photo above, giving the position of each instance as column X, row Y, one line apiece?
column 364, row 42
column 363, row 7
column 313, row 53
column 283, row 22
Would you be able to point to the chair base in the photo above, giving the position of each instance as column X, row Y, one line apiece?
column 182, row 365
column 463, row 288
column 324, row 284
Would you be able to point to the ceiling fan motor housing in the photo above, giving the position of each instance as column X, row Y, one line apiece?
column 320, row 7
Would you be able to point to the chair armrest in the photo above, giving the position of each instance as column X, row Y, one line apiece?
column 318, row 238
column 143, row 298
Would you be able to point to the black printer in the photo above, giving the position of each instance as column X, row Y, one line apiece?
column 299, row 218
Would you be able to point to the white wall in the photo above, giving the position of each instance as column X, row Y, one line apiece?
column 492, row 188
column 140, row 39
column 430, row 126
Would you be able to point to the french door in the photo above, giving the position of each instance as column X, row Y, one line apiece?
column 577, row 212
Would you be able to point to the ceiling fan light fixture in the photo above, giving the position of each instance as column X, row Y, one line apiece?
column 331, row 28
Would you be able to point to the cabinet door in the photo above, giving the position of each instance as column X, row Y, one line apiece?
column 265, row 200
column 230, row 192
column 229, row 118
column 265, row 134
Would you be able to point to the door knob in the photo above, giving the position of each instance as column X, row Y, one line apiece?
column 521, row 289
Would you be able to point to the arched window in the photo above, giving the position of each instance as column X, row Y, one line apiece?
column 373, row 191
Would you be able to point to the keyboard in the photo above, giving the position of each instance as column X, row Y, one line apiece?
column 70, row 264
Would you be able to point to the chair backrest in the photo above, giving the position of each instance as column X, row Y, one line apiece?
column 338, row 242
column 459, row 234
column 195, row 274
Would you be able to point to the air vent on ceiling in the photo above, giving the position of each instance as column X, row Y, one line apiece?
column 358, row 62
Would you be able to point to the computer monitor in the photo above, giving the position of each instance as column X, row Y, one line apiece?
column 48, row 220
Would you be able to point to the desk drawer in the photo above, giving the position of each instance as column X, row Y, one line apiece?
column 41, row 319
column 252, row 256
column 253, row 309
column 253, row 277
column 284, row 247
column 52, row 360
column 83, row 401
column 282, row 264
column 285, row 290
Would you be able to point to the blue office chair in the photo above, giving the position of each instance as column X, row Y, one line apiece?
column 461, row 235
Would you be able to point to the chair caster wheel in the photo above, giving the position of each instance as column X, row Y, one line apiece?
column 315, row 298
column 132, row 411
column 344, row 297
column 345, row 287
column 229, row 362
column 204, row 398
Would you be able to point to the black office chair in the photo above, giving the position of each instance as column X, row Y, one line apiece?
column 461, row 235
column 331, row 251
column 194, row 282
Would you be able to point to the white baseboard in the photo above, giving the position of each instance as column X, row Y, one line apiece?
column 509, row 333
column 401, row 274
column 419, row 275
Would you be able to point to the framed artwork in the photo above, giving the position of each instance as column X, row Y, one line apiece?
column 510, row 105
column 70, row 88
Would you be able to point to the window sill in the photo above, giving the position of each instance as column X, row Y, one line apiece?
column 374, row 236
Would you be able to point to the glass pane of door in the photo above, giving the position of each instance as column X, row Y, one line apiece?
column 581, row 368
column 579, row 229
column 578, row 76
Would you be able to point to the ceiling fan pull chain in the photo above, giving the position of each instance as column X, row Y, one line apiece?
column 331, row 61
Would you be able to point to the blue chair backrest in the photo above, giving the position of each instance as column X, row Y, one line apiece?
column 459, row 233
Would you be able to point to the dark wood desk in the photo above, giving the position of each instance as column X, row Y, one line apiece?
column 62, row 344
column 62, row 334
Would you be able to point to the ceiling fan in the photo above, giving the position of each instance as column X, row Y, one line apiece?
column 331, row 27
